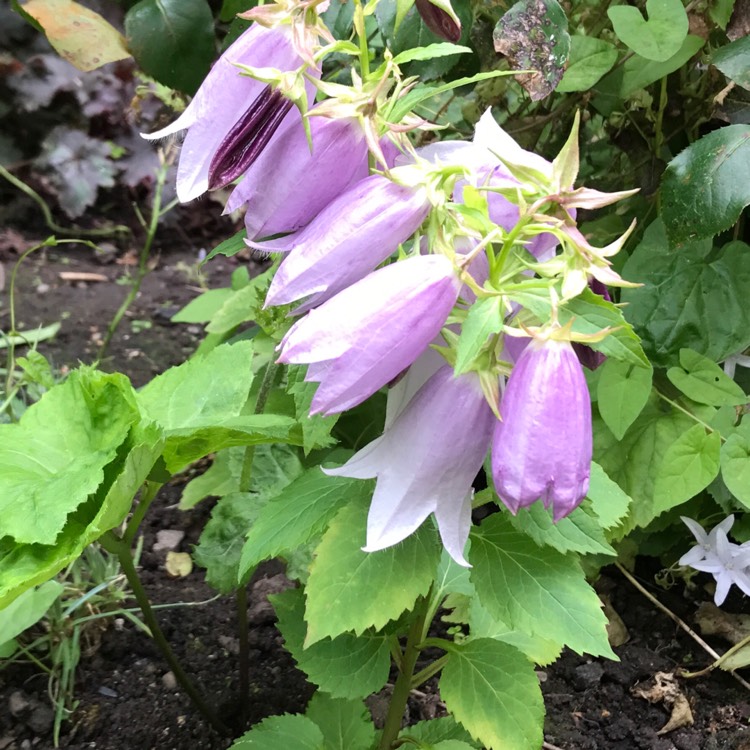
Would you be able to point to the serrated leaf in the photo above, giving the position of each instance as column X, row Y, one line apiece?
column 622, row 392
column 27, row 610
column 657, row 38
column 298, row 514
column 691, row 298
column 78, row 34
column 735, row 465
column 578, row 532
column 690, row 464
column 442, row 729
column 536, row 589
column 347, row 666
column 634, row 462
column 172, row 40
column 55, row 457
column 452, row 745
column 203, row 307
column 316, row 429
column 241, row 306
column 282, row 733
column 352, row 590
column 704, row 188
column 733, row 60
column 345, row 724
column 232, row 245
column 608, row 500
column 590, row 58
column 720, row 12
column 533, row 35
column 704, row 381
column 485, row 318
column 492, row 689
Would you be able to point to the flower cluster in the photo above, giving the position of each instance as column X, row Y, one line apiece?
column 729, row 563
column 388, row 253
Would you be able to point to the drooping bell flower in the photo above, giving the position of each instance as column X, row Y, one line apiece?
column 367, row 334
column 542, row 447
column 351, row 237
column 289, row 184
column 440, row 19
column 425, row 462
column 227, row 103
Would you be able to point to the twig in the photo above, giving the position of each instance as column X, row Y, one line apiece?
column 678, row 620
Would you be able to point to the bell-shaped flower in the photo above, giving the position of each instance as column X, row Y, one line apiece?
column 351, row 237
column 425, row 462
column 542, row 447
column 290, row 184
column 440, row 18
column 225, row 98
column 370, row 332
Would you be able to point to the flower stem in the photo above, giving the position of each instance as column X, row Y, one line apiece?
column 403, row 684
column 148, row 493
column 118, row 547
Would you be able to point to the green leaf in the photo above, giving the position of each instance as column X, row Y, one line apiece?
column 589, row 313
column 622, row 392
column 590, row 58
column 735, row 465
column 660, row 37
column 704, row 188
column 635, row 461
column 434, row 731
column 452, row 745
column 607, row 498
column 241, row 306
column 533, row 35
column 690, row 464
column 492, row 689
column 55, row 457
column 578, row 532
column 221, row 478
column 485, row 318
column 346, row 724
column 316, row 429
column 536, row 589
column 282, row 733
column 720, row 12
column 203, row 307
column 299, row 513
column 347, row 666
column 691, row 298
column 352, row 590
column 430, row 52
column 27, row 610
column 233, row 244
column 172, row 40
column 704, row 381
column 733, row 60
column 483, row 625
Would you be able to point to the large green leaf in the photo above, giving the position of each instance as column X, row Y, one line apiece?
column 346, row 724
column 705, row 188
column 282, row 733
column 733, row 60
column 298, row 514
column 622, row 391
column 352, row 590
column 692, row 297
column 492, row 689
column 536, row 589
column 590, row 59
column 54, row 458
column 347, row 666
column 703, row 381
column 172, row 40
column 659, row 37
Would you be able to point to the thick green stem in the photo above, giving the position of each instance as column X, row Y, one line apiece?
column 403, row 683
column 135, row 287
column 148, row 493
column 119, row 548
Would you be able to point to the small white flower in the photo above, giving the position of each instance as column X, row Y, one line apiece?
column 706, row 546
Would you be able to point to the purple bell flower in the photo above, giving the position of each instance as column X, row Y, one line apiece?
column 425, row 462
column 351, row 237
column 370, row 332
column 439, row 21
column 289, row 185
column 226, row 98
column 542, row 447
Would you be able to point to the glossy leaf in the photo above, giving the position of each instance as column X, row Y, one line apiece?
column 733, row 60
column 622, row 391
column 705, row 187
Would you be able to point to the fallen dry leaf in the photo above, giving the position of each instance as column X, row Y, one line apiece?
column 178, row 564
column 617, row 633
column 665, row 689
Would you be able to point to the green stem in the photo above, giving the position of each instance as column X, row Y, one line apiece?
column 119, row 548
column 49, row 221
column 690, row 414
column 402, row 687
column 153, row 225
column 421, row 677
column 150, row 490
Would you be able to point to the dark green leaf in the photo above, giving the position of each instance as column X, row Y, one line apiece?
column 733, row 60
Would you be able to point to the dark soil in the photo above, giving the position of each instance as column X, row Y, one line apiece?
column 126, row 697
